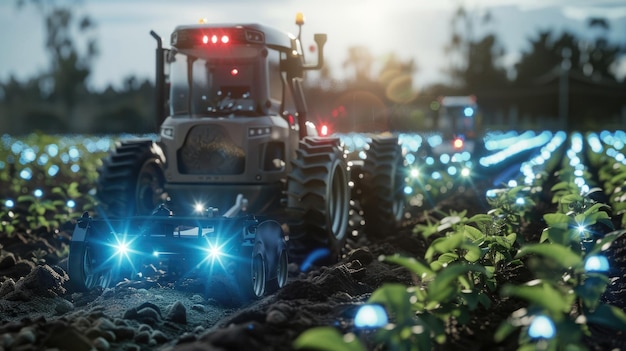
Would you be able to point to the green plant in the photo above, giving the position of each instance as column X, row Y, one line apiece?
column 418, row 313
column 567, row 293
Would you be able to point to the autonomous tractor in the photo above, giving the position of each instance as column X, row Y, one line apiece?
column 236, row 174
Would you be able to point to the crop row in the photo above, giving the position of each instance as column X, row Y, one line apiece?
column 473, row 263
column 51, row 180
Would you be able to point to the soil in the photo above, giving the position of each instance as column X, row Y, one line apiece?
column 40, row 311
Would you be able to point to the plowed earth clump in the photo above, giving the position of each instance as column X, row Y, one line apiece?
column 39, row 310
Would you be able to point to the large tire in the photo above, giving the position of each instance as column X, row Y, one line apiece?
column 282, row 272
column 86, row 270
column 381, row 188
column 131, row 179
column 318, row 189
column 263, row 268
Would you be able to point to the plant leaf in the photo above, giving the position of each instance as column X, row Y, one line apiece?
column 420, row 269
column 562, row 255
column 609, row 316
column 327, row 339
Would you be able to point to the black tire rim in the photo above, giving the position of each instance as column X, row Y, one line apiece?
column 337, row 201
column 282, row 269
column 398, row 193
column 92, row 276
column 258, row 276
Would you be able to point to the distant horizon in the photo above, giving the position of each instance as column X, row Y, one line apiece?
column 126, row 49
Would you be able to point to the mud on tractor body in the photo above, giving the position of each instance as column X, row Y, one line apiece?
column 236, row 160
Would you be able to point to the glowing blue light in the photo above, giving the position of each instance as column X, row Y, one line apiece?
column 430, row 161
column 38, row 193
column 43, row 159
column 26, row 174
column 214, row 251
column 28, row 156
column 52, row 150
column 596, row 263
column 465, row 156
column 414, row 173
column 408, row 190
column 9, row 203
column 520, row 145
column 435, row 140
column 468, row 112
column 436, row 175
column 73, row 153
column 53, row 170
column 156, row 254
column 70, row 203
column 466, row 172
column 198, row 207
column 512, row 183
column 444, row 158
column 594, row 142
column 520, row 201
column 581, row 228
column 122, row 248
column 371, row 316
column 579, row 181
column 75, row 168
column 541, row 327
column 312, row 257
column 410, row 159
column 577, row 142
column 452, row 170
column 574, row 161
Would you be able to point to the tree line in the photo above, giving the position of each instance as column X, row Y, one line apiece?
column 560, row 81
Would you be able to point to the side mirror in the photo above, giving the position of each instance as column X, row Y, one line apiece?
column 320, row 40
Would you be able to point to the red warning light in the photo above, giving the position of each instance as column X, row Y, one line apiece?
column 234, row 71
column 214, row 39
column 324, row 130
column 458, row 143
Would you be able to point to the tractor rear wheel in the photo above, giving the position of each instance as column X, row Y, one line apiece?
column 131, row 179
column 319, row 192
column 381, row 189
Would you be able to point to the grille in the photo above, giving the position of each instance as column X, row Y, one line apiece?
column 208, row 149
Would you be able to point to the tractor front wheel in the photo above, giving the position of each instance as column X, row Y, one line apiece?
column 84, row 269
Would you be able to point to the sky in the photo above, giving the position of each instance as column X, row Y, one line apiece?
column 411, row 29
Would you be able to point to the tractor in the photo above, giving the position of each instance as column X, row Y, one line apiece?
column 235, row 171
